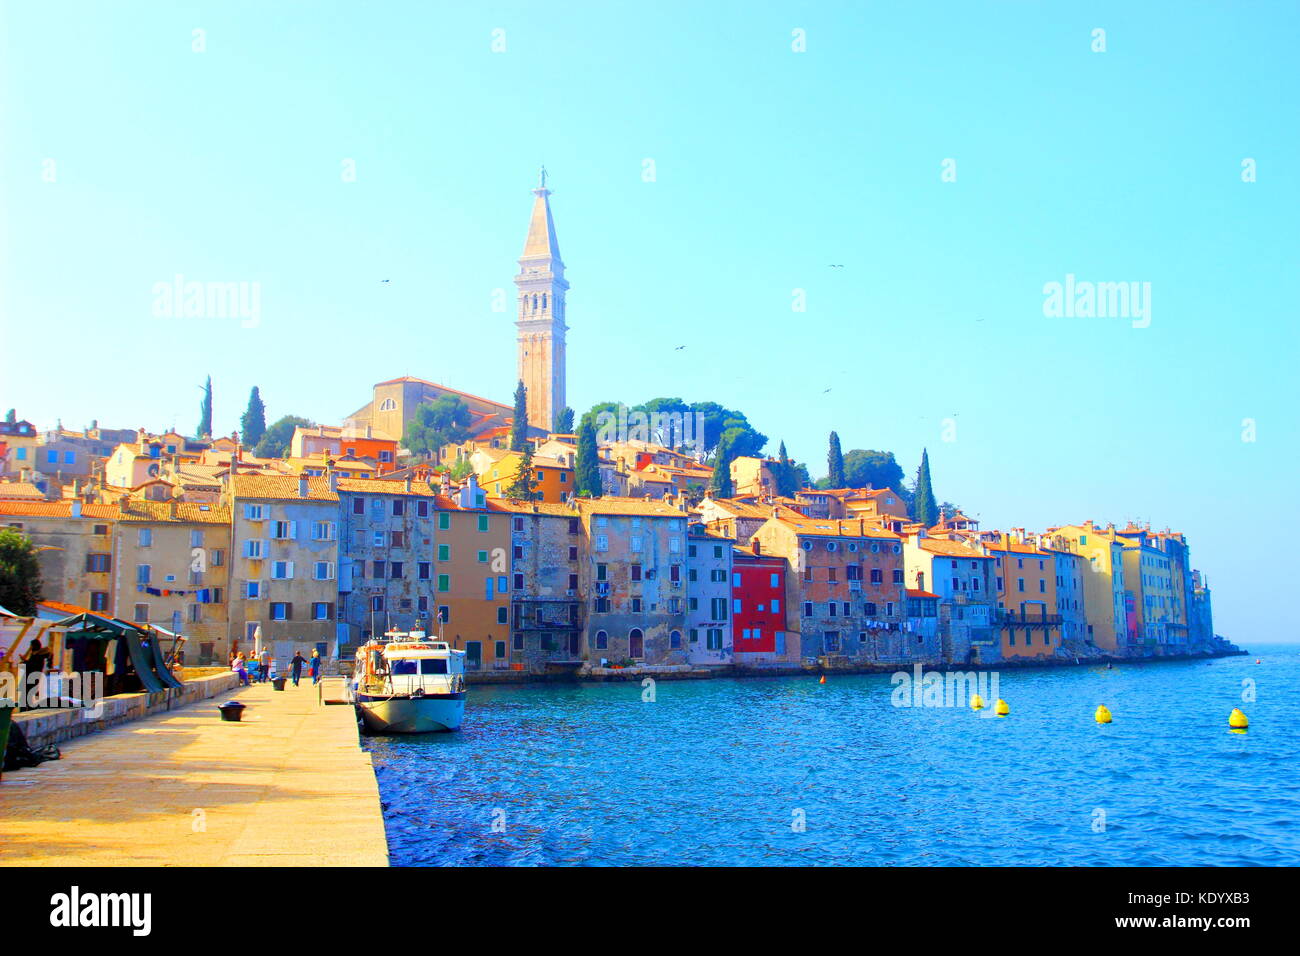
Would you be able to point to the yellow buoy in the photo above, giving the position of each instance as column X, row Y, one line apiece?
column 1001, row 708
column 976, row 702
column 1237, row 720
column 1102, row 715
column 823, row 680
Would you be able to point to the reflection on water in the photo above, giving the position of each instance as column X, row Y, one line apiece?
column 723, row 771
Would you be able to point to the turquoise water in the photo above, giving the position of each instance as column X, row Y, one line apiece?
column 717, row 771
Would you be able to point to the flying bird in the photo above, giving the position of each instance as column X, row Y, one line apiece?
column 679, row 348
column 383, row 280
column 840, row 266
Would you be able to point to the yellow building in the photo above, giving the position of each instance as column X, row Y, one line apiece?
column 1151, row 591
column 1103, row 581
column 75, row 543
column 552, row 477
column 472, row 566
column 1025, row 582
column 173, row 561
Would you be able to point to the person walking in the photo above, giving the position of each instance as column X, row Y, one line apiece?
column 315, row 667
column 296, row 666
column 266, row 663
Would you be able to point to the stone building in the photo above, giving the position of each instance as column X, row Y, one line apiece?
column 844, row 583
column 546, row 541
column 632, row 578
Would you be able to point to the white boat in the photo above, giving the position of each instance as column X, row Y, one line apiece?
column 409, row 684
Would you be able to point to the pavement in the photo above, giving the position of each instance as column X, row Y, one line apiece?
column 289, row 785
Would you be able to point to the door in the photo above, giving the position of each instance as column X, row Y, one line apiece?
column 636, row 644
column 473, row 655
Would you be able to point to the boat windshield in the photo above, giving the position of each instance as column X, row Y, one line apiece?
column 428, row 665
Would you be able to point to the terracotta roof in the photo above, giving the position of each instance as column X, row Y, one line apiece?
column 383, row 486
column 835, row 528
column 281, row 487
column 531, row 507
column 455, row 391
column 629, row 506
column 913, row 593
column 950, row 549
column 56, row 509
column 20, row 489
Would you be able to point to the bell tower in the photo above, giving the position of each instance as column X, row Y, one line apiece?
column 540, row 320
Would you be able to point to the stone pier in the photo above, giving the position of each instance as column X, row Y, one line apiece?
column 289, row 785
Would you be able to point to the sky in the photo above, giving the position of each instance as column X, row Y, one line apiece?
column 716, row 168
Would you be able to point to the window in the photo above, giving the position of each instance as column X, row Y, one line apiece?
column 399, row 507
column 141, row 615
column 196, row 539
column 602, row 641
column 444, row 520
column 422, row 570
column 776, row 605
column 99, row 600
column 97, row 563
column 444, row 552
column 636, row 572
column 377, row 569
column 483, row 523
column 519, row 582
column 255, row 512
column 284, row 530
column 482, row 557
column 322, row 611
column 602, row 542
column 217, row 557
column 713, row 639
column 377, row 602
column 421, row 508
column 358, row 506
column 252, row 590
column 807, row 608
column 101, row 529
column 322, row 530
column 877, row 576
column 602, row 572
column 254, row 549
column 675, row 639
column 444, row 582
column 503, row 615
column 323, row 571
column 143, row 572
column 898, row 575
column 634, row 543
column 281, row 570
column 1020, row 584
column 775, row 581
column 145, row 537
column 280, row 610
column 396, row 569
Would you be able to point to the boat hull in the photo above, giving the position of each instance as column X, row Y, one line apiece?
column 432, row 713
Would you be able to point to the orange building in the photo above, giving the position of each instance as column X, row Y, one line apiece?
column 1025, row 582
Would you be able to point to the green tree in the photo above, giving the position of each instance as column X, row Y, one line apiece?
column 786, row 474
column 834, row 464
column 275, row 443
column 564, row 421
column 924, row 508
column 461, row 470
column 519, row 427
column 445, row 421
column 205, row 411
column 11, row 416
column 252, row 424
column 878, row 469
column 521, row 489
column 20, row 573
column 586, row 469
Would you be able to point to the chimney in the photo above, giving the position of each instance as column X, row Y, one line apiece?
column 334, row 480
column 756, row 546
column 408, row 484
column 302, row 486
column 76, row 508
column 171, row 508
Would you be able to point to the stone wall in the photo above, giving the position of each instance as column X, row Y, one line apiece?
column 55, row 725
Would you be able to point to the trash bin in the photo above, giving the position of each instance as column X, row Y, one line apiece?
column 231, row 710
column 6, row 716
column 278, row 682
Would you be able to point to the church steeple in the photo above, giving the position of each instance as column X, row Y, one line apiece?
column 540, row 321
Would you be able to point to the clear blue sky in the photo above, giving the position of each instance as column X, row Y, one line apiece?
column 771, row 166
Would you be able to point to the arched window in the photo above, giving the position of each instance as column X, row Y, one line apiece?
column 602, row 641
column 675, row 639
column 534, row 303
column 543, row 301
column 636, row 644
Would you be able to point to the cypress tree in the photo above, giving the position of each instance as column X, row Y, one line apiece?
column 205, row 411
column 519, row 429
column 252, row 424
column 924, row 508
column 521, row 489
column 586, row 470
column 564, row 421
column 835, row 463
column 720, row 483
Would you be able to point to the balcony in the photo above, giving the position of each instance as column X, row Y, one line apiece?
column 1009, row 618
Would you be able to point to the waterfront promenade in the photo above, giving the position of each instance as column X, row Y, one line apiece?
column 289, row 785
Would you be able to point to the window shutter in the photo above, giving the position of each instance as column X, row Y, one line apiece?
column 288, row 570
column 293, row 530
column 288, row 611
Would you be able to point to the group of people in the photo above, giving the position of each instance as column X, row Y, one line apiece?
column 265, row 667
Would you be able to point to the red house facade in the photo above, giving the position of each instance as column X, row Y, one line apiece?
column 758, row 607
